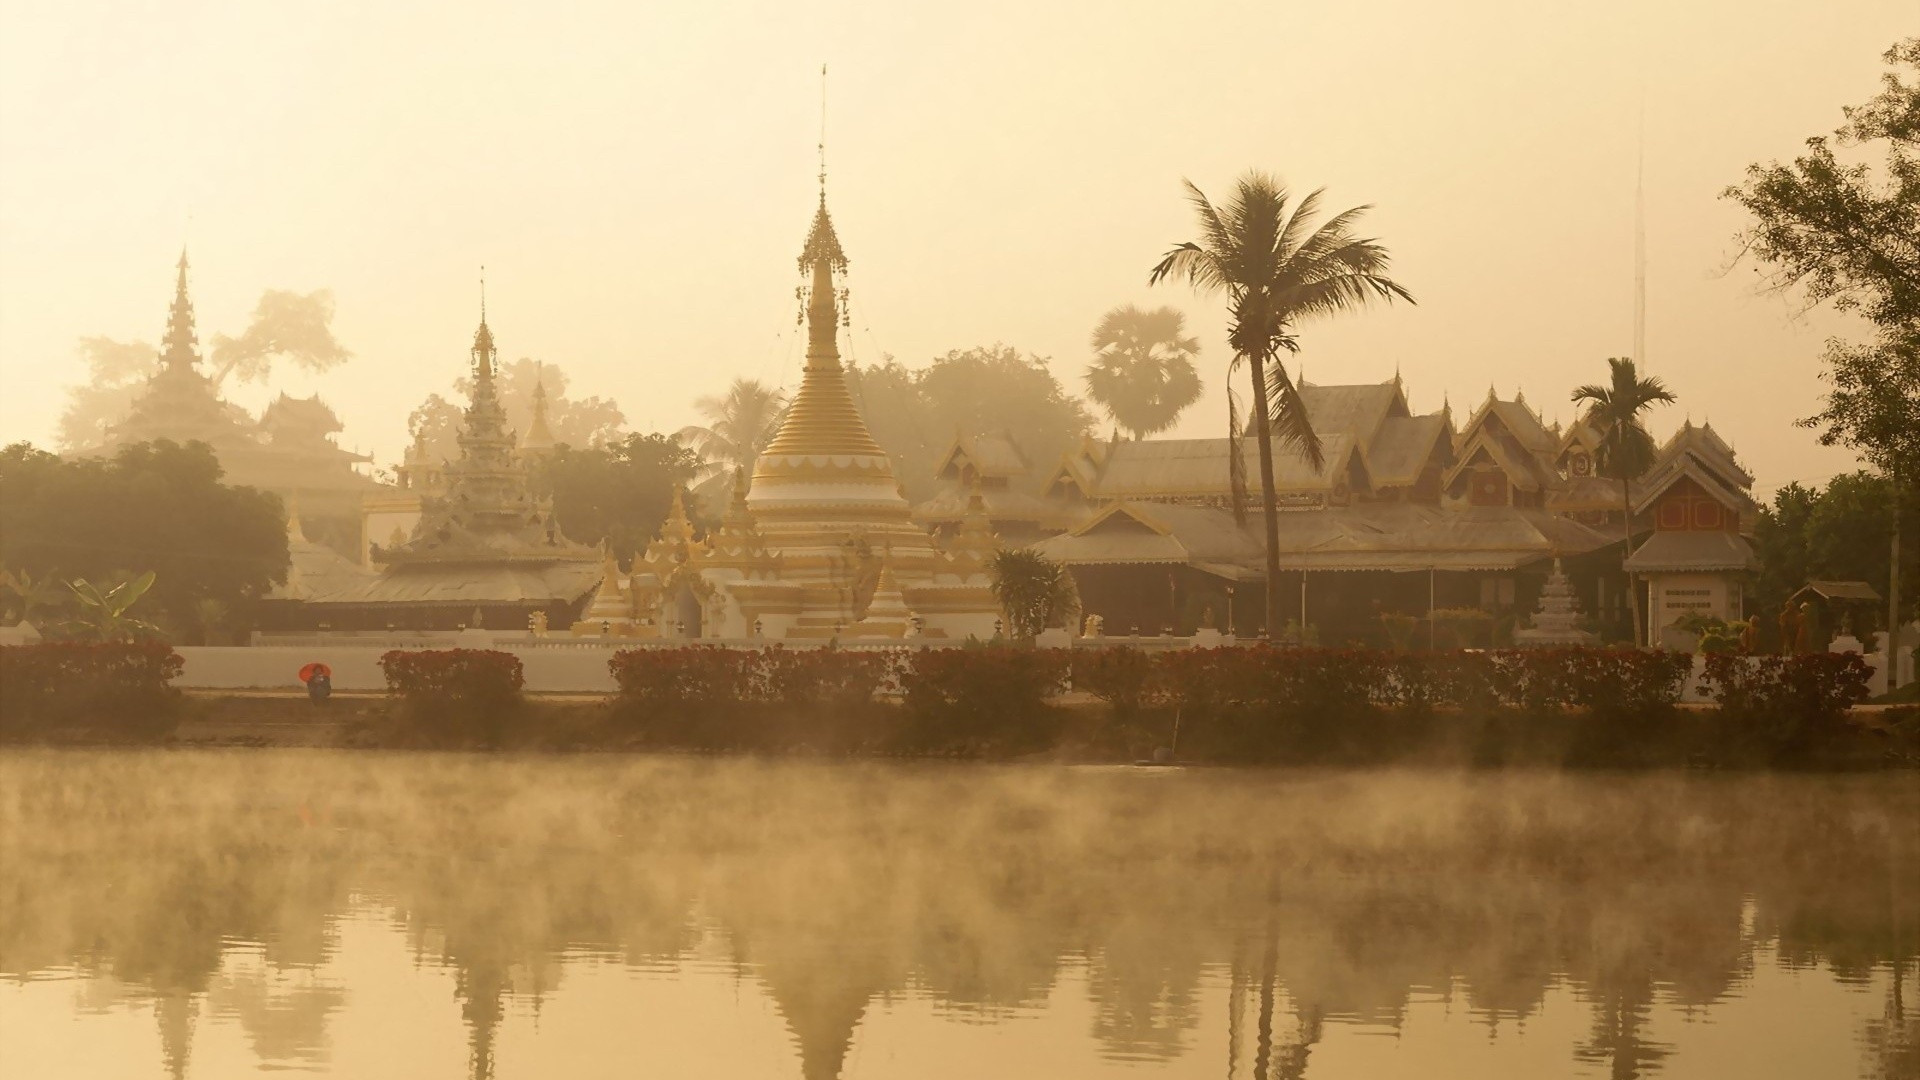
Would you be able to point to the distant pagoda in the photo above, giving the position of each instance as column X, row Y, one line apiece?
column 486, row 551
column 290, row 451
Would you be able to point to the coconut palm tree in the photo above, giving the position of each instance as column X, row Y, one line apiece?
column 1277, row 269
column 1142, row 373
column 740, row 424
column 1626, row 448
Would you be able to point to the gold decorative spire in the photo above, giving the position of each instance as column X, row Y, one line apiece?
column 888, row 603
column 609, row 602
column 823, row 418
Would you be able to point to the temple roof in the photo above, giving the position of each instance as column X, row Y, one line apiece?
column 476, row 584
column 950, row 504
column 1199, row 467
column 1357, row 410
column 1404, row 445
column 991, row 453
column 315, row 572
column 488, row 513
column 1680, row 550
column 1373, row 536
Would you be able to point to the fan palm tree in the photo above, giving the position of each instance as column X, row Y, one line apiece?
column 1142, row 373
column 1626, row 448
column 740, row 424
column 1277, row 269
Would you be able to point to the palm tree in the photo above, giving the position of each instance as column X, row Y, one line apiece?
column 740, row 424
column 1277, row 270
column 1626, row 448
column 1142, row 372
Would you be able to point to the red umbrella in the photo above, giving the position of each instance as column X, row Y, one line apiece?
column 316, row 668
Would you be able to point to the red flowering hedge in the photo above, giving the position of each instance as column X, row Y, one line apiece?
column 1238, row 705
column 1268, row 704
column 982, row 700
column 970, row 701
column 463, row 694
column 710, row 697
column 116, row 686
column 1784, row 709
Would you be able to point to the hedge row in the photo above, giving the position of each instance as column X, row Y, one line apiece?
column 54, row 689
column 1248, row 705
column 1552, row 706
column 970, row 701
column 455, row 695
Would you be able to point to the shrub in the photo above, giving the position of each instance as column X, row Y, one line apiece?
column 777, row 699
column 1264, row 704
column 1127, row 679
column 690, row 679
column 53, row 688
column 456, row 694
column 823, row 699
column 982, row 701
column 1785, row 709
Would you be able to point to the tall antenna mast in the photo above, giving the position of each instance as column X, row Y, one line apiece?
column 1640, row 245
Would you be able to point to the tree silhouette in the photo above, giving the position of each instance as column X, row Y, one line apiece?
column 1142, row 373
column 1277, row 269
column 740, row 424
column 1626, row 448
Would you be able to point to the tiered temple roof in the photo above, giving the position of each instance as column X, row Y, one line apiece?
column 486, row 542
column 1396, row 491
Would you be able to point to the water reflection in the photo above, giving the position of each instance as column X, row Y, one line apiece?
column 1225, row 918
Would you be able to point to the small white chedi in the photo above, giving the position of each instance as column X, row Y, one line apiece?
column 1557, row 622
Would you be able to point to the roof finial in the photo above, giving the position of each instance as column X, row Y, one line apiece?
column 483, row 293
column 1640, row 241
column 823, row 135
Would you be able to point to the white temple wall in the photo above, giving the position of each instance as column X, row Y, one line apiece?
column 961, row 625
column 357, row 667
column 1672, row 597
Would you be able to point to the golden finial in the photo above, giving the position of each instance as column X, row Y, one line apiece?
column 823, row 135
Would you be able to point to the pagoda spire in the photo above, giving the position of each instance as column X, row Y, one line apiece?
column 823, row 418
column 539, row 436
column 179, row 350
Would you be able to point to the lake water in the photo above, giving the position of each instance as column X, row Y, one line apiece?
column 365, row 915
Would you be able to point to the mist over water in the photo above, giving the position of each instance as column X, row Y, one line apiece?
column 211, row 914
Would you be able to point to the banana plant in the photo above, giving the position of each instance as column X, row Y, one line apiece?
column 35, row 594
column 103, row 613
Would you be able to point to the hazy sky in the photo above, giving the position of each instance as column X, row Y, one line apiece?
column 638, row 177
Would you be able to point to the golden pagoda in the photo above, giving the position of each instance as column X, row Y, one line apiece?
column 826, row 502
